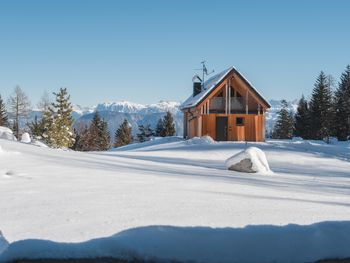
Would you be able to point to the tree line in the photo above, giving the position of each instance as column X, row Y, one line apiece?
column 325, row 115
column 55, row 126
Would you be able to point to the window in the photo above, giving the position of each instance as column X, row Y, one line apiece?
column 240, row 121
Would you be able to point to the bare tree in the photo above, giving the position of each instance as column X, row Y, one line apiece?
column 19, row 108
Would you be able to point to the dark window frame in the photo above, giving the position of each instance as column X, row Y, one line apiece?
column 241, row 122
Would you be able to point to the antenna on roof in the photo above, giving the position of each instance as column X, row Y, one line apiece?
column 204, row 72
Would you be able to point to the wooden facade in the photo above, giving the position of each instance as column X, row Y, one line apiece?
column 230, row 109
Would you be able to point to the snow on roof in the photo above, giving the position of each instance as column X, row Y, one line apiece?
column 211, row 84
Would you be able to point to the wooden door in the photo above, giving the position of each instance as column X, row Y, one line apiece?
column 221, row 128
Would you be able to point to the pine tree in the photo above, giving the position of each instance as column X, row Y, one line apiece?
column 19, row 108
column 284, row 126
column 60, row 130
column 342, row 106
column 321, row 109
column 169, row 126
column 80, row 133
column 3, row 114
column 302, row 119
column 47, row 122
column 97, row 137
column 123, row 134
column 105, row 138
column 83, row 139
column 36, row 128
column 159, row 132
column 145, row 133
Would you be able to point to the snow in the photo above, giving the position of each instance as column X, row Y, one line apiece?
column 38, row 143
column 136, row 108
column 203, row 244
column 255, row 155
column 168, row 198
column 26, row 138
column 6, row 133
column 200, row 140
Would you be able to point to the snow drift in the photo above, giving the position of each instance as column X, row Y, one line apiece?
column 251, row 160
column 259, row 243
column 7, row 134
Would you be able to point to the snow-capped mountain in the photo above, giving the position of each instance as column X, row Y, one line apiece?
column 136, row 114
column 130, row 107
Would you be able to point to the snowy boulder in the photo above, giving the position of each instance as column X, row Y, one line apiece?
column 3, row 243
column 251, row 160
column 7, row 134
column 26, row 138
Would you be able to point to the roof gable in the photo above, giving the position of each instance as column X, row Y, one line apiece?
column 212, row 83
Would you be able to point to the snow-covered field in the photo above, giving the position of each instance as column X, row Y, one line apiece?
column 183, row 190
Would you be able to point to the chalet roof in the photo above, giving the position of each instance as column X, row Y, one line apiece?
column 212, row 83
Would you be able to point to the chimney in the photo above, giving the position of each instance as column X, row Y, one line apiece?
column 197, row 88
column 197, row 85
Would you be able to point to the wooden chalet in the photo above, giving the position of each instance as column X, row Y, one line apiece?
column 226, row 107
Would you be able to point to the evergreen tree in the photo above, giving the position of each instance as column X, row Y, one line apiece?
column 321, row 109
column 284, row 126
column 3, row 114
column 83, row 139
column 79, row 136
column 123, row 134
column 145, row 133
column 36, row 128
column 159, row 132
column 169, row 126
column 165, row 126
column 19, row 108
column 47, row 122
column 342, row 106
column 97, row 137
column 60, row 130
column 302, row 119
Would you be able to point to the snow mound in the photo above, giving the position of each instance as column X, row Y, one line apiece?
column 251, row 160
column 7, row 134
column 26, row 138
column 39, row 144
column 152, row 144
column 200, row 140
column 3, row 243
column 257, row 243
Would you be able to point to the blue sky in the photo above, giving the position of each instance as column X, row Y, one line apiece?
column 146, row 51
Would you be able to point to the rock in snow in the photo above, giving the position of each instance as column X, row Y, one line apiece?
column 26, row 138
column 7, row 134
column 251, row 160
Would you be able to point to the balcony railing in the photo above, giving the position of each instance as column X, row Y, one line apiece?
column 217, row 104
